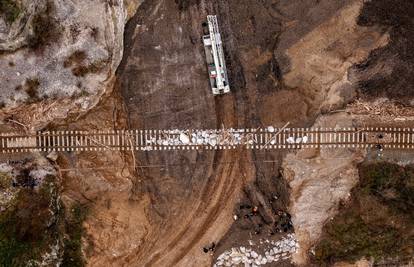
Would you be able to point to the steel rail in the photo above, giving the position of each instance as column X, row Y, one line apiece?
column 250, row 138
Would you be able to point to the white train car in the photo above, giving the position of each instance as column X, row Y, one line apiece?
column 216, row 63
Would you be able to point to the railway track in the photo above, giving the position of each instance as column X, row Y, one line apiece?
column 191, row 139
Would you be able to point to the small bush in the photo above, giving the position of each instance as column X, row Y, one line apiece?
column 83, row 70
column 377, row 223
column 72, row 255
column 10, row 10
column 28, row 227
column 76, row 58
column 45, row 29
column 31, row 88
column 5, row 180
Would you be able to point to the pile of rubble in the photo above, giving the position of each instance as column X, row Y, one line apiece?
column 279, row 250
column 202, row 137
column 382, row 108
column 213, row 138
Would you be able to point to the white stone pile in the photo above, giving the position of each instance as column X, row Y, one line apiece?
column 298, row 140
column 200, row 137
column 241, row 256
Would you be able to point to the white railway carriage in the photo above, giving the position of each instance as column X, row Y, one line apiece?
column 215, row 58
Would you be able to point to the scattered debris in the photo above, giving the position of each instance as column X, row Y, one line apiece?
column 280, row 250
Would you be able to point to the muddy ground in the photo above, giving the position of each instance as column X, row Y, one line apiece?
column 162, row 82
column 162, row 79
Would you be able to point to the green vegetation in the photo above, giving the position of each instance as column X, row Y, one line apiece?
column 27, row 227
column 10, row 10
column 378, row 223
column 5, row 181
column 73, row 256
column 392, row 184
column 35, row 220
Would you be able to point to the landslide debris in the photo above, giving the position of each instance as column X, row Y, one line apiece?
column 377, row 222
column 319, row 180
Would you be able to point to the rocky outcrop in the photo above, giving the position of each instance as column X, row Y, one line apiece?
column 17, row 33
column 60, row 57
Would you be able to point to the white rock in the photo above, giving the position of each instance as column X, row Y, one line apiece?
column 271, row 129
column 264, row 261
column 298, row 140
column 237, row 260
column 304, row 139
column 184, row 138
column 254, row 254
column 290, row 140
column 212, row 142
column 52, row 156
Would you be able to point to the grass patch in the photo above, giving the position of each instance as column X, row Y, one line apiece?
column 377, row 223
column 73, row 256
column 10, row 10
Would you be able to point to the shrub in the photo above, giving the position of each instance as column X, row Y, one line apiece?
column 75, row 59
column 72, row 255
column 31, row 88
column 10, row 10
column 45, row 29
